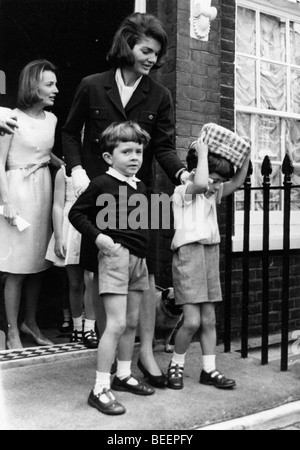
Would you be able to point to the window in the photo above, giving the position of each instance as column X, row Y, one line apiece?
column 268, row 106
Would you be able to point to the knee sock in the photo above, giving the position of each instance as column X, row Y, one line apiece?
column 89, row 325
column 178, row 360
column 209, row 363
column 77, row 323
column 124, row 371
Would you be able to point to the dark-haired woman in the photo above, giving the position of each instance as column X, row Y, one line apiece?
column 126, row 92
column 26, row 192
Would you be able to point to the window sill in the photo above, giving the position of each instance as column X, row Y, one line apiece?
column 256, row 243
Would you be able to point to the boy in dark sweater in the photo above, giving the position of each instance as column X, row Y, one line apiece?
column 106, row 214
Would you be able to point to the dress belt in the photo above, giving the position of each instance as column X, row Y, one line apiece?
column 30, row 168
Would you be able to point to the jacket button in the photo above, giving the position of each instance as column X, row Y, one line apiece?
column 97, row 141
column 151, row 117
column 97, row 112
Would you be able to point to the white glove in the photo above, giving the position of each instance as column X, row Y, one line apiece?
column 106, row 244
column 80, row 181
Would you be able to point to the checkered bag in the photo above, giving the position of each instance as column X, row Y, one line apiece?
column 225, row 143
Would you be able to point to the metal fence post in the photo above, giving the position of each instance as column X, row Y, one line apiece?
column 266, row 172
column 246, row 261
column 228, row 275
column 287, row 170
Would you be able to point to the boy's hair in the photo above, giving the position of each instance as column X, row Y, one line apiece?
column 134, row 28
column 216, row 164
column 29, row 81
column 123, row 132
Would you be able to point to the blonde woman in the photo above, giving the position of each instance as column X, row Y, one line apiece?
column 26, row 191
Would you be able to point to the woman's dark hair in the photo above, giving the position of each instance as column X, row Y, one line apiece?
column 29, row 81
column 134, row 28
column 216, row 164
column 123, row 132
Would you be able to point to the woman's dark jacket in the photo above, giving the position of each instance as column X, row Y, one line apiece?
column 97, row 104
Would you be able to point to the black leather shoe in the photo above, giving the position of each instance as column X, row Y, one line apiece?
column 159, row 381
column 90, row 339
column 77, row 337
column 215, row 378
column 112, row 408
column 137, row 389
column 175, row 377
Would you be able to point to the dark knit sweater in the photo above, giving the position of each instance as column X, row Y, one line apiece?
column 111, row 215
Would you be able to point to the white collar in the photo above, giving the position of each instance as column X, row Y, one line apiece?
column 132, row 181
column 126, row 92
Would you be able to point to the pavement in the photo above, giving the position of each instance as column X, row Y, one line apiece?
column 50, row 391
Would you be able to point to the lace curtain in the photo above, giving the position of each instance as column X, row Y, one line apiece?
column 265, row 62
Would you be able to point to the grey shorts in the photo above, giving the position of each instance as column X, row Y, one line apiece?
column 121, row 272
column 196, row 274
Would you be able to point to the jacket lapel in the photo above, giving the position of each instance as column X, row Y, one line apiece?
column 113, row 92
column 139, row 94
column 114, row 95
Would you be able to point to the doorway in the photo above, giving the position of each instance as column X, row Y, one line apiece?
column 75, row 35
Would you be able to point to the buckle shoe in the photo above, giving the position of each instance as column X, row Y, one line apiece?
column 216, row 379
column 77, row 337
column 175, row 377
column 111, row 408
column 90, row 339
column 137, row 389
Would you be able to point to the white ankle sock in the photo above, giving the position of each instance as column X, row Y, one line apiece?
column 77, row 323
column 67, row 314
column 209, row 363
column 178, row 359
column 124, row 371
column 102, row 382
column 89, row 325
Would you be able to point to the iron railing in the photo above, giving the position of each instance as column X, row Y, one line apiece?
column 287, row 170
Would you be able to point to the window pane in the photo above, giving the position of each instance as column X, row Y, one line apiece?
column 273, row 87
column 295, row 42
column 243, row 128
column 295, row 91
column 246, row 31
column 292, row 146
column 267, row 138
column 246, row 82
column 243, row 124
column 267, row 143
column 273, row 38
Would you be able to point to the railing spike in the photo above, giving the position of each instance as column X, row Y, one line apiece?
column 266, row 169
column 287, row 165
column 250, row 169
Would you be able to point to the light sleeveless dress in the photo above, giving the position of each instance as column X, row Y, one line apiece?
column 71, row 237
column 30, row 189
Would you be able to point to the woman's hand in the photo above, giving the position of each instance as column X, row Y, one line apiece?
column 8, row 121
column 185, row 177
column 59, row 249
column 80, row 180
column 10, row 214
